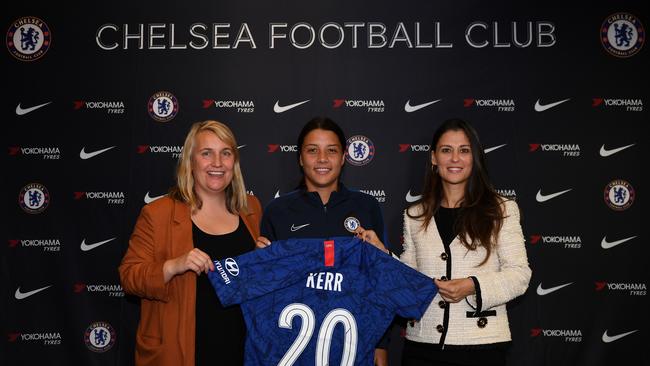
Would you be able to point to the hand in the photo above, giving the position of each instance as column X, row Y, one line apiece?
column 195, row 260
column 381, row 357
column 262, row 242
column 370, row 237
column 455, row 290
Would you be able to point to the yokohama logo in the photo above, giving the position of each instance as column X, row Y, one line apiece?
column 601, row 285
column 413, row 148
column 597, row 102
column 468, row 102
column 535, row 332
column 282, row 148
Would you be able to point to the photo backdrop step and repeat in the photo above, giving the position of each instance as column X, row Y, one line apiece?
column 98, row 100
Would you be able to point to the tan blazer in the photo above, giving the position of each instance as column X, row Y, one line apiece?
column 166, row 330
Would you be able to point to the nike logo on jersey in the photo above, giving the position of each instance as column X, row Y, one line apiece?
column 281, row 109
column 22, row 111
column 608, row 339
column 408, row 108
column 545, row 291
column 86, row 247
column 84, row 155
column 23, row 295
column 296, row 228
column 605, row 153
column 611, row 244
column 545, row 197
column 543, row 107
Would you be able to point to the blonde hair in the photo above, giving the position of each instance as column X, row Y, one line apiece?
column 184, row 190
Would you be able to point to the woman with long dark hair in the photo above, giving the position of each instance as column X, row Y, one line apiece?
column 469, row 239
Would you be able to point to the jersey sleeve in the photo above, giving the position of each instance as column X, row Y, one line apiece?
column 403, row 290
column 261, row 271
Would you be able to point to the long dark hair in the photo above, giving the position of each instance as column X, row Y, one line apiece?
column 480, row 216
column 318, row 123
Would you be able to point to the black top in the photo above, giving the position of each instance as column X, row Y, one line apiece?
column 445, row 221
column 220, row 332
column 302, row 214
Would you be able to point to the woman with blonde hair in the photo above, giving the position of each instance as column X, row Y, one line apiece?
column 206, row 216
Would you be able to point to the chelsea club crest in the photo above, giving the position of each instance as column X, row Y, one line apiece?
column 28, row 38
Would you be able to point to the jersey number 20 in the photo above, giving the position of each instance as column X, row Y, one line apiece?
column 324, row 334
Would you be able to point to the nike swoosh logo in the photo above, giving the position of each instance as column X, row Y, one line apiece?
column 241, row 146
column 545, row 197
column 542, row 107
column 605, row 153
column 277, row 194
column 408, row 108
column 86, row 247
column 545, row 291
column 490, row 149
column 148, row 199
column 23, row 295
column 280, row 109
column 296, row 228
column 84, row 155
column 611, row 244
column 608, row 339
column 410, row 198
column 22, row 111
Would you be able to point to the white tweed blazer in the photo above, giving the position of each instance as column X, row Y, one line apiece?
column 480, row 319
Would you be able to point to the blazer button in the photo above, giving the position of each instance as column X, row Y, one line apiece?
column 442, row 304
column 440, row 328
column 443, row 256
column 482, row 322
column 443, row 278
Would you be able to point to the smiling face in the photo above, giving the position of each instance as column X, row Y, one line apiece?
column 212, row 164
column 321, row 159
column 453, row 156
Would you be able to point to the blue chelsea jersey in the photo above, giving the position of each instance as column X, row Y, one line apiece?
column 319, row 301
